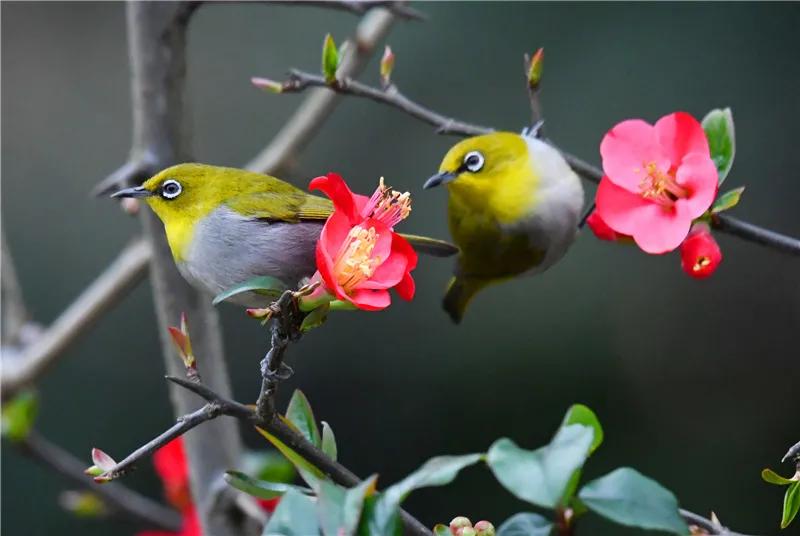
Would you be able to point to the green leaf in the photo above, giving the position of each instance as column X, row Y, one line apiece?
column 774, row 478
column 311, row 474
column 580, row 414
column 299, row 414
column 19, row 415
column 265, row 285
column 294, row 516
column 791, row 504
column 340, row 509
column 718, row 125
column 541, row 476
column 330, row 59
column 374, row 520
column 259, row 488
column 627, row 497
column 268, row 465
column 316, row 317
column 329, row 441
column 437, row 471
column 441, row 530
column 525, row 524
column 728, row 200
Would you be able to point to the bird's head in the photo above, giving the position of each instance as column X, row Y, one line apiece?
column 182, row 192
column 480, row 164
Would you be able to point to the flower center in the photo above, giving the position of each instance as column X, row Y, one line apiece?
column 388, row 206
column 660, row 187
column 701, row 263
column 354, row 263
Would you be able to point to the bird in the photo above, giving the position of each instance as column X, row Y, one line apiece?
column 226, row 226
column 513, row 209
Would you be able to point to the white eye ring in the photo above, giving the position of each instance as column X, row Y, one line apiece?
column 171, row 189
column 473, row 161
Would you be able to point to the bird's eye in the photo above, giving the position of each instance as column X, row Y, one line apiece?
column 473, row 161
column 171, row 189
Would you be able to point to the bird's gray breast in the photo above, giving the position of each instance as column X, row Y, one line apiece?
column 228, row 248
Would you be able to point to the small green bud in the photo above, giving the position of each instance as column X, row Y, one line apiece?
column 535, row 69
column 93, row 471
column 387, row 65
column 466, row 531
column 268, row 85
column 459, row 523
column 330, row 59
column 484, row 528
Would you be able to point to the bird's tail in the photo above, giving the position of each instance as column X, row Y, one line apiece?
column 431, row 246
column 460, row 292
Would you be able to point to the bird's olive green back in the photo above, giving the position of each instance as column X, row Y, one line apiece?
column 205, row 188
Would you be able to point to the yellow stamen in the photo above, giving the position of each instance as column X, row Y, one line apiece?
column 701, row 263
column 660, row 187
column 354, row 263
column 389, row 206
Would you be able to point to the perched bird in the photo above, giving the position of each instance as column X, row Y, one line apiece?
column 226, row 226
column 514, row 207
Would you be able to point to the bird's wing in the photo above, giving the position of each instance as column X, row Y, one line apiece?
column 282, row 204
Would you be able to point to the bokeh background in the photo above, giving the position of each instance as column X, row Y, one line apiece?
column 693, row 381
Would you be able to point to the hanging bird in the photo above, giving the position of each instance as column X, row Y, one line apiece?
column 226, row 226
column 514, row 206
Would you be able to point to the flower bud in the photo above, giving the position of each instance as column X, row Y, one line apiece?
column 484, row 528
column 459, row 523
column 700, row 253
column 535, row 69
column 267, row 85
column 387, row 65
column 330, row 59
column 466, row 531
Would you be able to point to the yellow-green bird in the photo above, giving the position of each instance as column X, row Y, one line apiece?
column 514, row 207
column 226, row 226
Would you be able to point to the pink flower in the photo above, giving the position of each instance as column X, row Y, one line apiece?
column 658, row 179
column 359, row 256
column 700, row 253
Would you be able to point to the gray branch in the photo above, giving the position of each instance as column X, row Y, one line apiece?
column 102, row 294
column 157, row 34
column 129, row 504
column 299, row 81
column 318, row 106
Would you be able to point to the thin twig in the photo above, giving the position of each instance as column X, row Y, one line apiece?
column 131, row 173
column 359, row 7
column 118, row 498
column 299, row 81
column 102, row 294
column 15, row 314
column 318, row 106
column 710, row 526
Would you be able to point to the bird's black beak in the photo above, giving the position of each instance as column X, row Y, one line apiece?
column 137, row 191
column 440, row 178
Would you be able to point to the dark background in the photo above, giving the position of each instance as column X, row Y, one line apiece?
column 692, row 379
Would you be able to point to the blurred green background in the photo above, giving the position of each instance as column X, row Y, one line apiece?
column 692, row 379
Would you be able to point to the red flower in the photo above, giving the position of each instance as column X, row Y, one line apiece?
column 190, row 527
column 359, row 256
column 658, row 179
column 700, row 253
column 601, row 229
column 170, row 464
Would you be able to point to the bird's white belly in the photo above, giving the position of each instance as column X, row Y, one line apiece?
column 228, row 249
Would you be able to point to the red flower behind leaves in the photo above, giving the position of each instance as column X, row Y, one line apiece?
column 659, row 178
column 359, row 256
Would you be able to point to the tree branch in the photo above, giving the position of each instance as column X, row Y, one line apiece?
column 710, row 526
column 318, row 106
column 299, row 81
column 131, row 505
column 359, row 7
column 102, row 294
column 15, row 314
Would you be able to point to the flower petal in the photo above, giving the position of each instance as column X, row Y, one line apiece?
column 336, row 189
column 627, row 149
column 330, row 241
column 680, row 134
column 370, row 300
column 406, row 287
column 698, row 174
column 654, row 228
